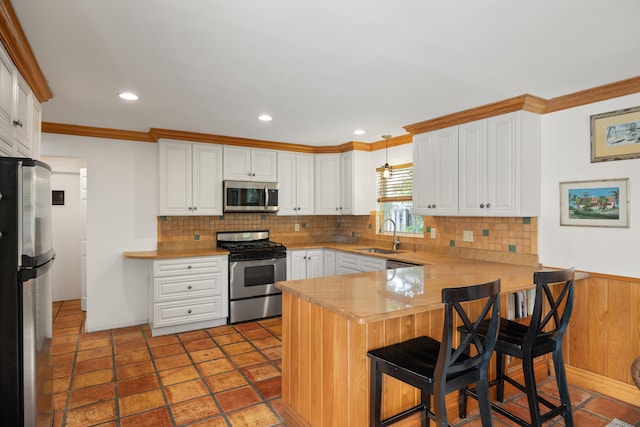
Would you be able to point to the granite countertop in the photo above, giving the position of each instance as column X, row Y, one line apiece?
column 174, row 253
column 382, row 295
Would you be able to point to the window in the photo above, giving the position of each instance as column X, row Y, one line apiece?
column 394, row 197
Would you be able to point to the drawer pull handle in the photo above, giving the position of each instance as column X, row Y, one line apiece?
column 189, row 311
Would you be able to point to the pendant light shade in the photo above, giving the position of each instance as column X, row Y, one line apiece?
column 386, row 169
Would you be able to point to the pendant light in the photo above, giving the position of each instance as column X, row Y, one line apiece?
column 386, row 169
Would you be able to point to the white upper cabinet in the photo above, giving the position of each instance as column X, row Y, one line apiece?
column 435, row 172
column 16, row 113
column 295, row 183
column 190, row 178
column 499, row 164
column 249, row 164
column 345, row 184
column 327, row 185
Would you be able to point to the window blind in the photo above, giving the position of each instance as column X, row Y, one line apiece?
column 398, row 187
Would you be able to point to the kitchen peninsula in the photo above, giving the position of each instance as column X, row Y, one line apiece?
column 330, row 323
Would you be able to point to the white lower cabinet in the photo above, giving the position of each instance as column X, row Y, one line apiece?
column 348, row 263
column 188, row 293
column 305, row 264
column 329, row 262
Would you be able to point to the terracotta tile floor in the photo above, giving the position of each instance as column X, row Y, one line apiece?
column 224, row 376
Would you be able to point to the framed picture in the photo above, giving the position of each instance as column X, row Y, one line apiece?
column 615, row 135
column 602, row 203
column 57, row 197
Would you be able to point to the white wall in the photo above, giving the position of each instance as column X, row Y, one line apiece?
column 67, row 228
column 121, row 216
column 566, row 156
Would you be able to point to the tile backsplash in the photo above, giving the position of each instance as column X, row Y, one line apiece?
column 507, row 235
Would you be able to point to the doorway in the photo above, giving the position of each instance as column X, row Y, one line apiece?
column 68, row 213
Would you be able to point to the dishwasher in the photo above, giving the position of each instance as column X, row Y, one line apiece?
column 393, row 264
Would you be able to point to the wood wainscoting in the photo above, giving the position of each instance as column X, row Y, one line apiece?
column 604, row 336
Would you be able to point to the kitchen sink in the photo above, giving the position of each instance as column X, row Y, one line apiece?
column 378, row 251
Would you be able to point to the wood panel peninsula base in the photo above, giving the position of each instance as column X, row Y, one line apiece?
column 329, row 324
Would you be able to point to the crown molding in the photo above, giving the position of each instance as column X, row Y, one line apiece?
column 96, row 132
column 596, row 94
column 525, row 102
column 19, row 50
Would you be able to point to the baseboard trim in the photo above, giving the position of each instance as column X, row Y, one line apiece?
column 617, row 389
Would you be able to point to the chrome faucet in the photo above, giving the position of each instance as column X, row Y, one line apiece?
column 396, row 242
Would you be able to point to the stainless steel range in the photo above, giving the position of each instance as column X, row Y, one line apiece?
column 255, row 265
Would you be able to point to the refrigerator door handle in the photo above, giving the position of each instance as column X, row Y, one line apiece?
column 27, row 274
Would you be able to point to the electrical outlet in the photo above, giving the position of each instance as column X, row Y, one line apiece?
column 297, row 227
column 433, row 233
column 467, row 236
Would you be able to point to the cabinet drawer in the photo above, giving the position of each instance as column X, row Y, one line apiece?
column 176, row 313
column 373, row 264
column 181, row 266
column 348, row 260
column 190, row 286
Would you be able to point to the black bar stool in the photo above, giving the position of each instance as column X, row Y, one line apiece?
column 435, row 367
column 543, row 335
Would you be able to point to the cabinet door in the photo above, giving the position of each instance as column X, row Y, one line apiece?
column 175, row 178
column 207, row 179
column 237, row 163
column 315, row 265
column 21, row 122
column 473, row 168
column 298, row 261
column 305, row 179
column 346, row 184
column 329, row 261
column 7, row 74
column 264, row 165
column 503, row 175
column 327, row 184
column 435, row 172
column 287, row 184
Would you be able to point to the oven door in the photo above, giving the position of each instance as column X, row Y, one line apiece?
column 255, row 278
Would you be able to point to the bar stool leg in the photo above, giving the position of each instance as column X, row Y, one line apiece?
column 500, row 377
column 483, row 400
column 426, row 401
column 462, row 404
column 532, row 390
column 375, row 398
column 563, row 389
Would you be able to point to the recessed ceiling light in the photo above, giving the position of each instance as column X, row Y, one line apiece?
column 128, row 96
column 359, row 132
column 265, row 117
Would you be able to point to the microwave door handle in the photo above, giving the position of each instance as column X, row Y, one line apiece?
column 266, row 197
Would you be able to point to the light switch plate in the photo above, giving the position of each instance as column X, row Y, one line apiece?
column 467, row 236
column 433, row 233
column 297, row 227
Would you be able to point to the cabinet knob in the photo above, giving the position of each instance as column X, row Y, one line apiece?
column 189, row 267
column 189, row 311
column 17, row 123
column 481, row 205
column 195, row 208
column 189, row 287
column 433, row 206
column 190, row 208
column 488, row 205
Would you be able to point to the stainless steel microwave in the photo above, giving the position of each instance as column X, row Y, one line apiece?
column 250, row 196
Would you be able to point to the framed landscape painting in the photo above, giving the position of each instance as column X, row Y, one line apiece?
column 615, row 135
column 601, row 203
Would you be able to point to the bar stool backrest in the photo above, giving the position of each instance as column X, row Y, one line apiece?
column 555, row 308
column 449, row 359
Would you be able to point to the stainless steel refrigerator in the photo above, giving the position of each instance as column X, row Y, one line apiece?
column 26, row 255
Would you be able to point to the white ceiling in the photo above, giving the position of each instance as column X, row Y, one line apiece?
column 320, row 68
